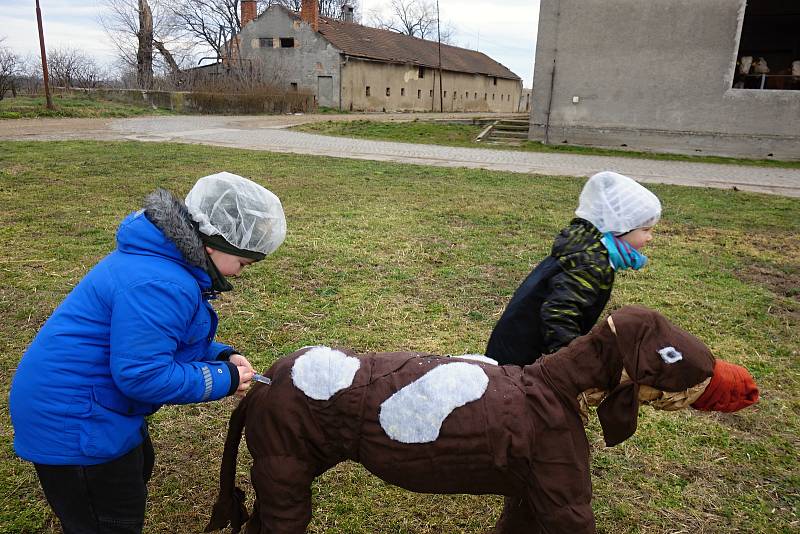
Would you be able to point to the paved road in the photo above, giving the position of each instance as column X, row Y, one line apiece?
column 270, row 133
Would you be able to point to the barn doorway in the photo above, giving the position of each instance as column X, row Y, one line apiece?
column 325, row 91
column 769, row 47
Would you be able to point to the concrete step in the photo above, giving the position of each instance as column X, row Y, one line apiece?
column 494, row 134
column 512, row 127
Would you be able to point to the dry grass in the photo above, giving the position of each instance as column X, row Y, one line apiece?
column 391, row 257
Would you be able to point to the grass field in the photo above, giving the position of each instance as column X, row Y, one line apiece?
column 390, row 257
column 464, row 135
column 71, row 105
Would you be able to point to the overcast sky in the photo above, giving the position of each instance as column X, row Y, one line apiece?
column 506, row 31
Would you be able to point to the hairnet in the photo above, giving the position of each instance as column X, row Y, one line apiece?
column 243, row 213
column 617, row 204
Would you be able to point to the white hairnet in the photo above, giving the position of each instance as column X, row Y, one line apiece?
column 617, row 204
column 245, row 214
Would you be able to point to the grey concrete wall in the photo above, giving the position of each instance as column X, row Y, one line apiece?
column 409, row 92
column 654, row 75
column 311, row 58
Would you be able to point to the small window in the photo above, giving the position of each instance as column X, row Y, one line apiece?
column 486, row 96
column 454, row 95
column 494, row 80
column 431, row 93
column 419, row 93
column 402, row 91
column 421, row 73
column 388, row 91
column 466, row 95
column 508, row 97
column 265, row 42
column 287, row 42
column 294, row 86
column 445, row 94
column 492, row 96
column 501, row 97
column 368, row 90
column 476, row 96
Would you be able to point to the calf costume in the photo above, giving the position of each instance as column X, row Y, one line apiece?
column 459, row 425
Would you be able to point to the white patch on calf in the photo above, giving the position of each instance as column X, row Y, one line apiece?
column 476, row 357
column 322, row 371
column 415, row 413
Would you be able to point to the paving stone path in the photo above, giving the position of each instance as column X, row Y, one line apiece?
column 270, row 133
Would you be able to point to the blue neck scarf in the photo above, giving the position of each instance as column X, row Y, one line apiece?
column 621, row 254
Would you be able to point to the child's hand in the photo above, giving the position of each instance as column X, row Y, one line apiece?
column 245, row 373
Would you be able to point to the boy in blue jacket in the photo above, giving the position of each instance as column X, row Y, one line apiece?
column 564, row 295
column 135, row 333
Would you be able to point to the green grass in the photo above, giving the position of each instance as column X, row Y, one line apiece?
column 389, row 257
column 463, row 135
column 71, row 105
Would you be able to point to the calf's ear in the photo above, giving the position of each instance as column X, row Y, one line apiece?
column 618, row 413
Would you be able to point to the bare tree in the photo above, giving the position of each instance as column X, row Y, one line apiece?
column 70, row 68
column 11, row 66
column 136, row 27
column 416, row 18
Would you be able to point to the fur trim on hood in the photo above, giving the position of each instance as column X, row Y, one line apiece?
column 170, row 216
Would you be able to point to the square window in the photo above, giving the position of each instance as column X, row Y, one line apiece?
column 265, row 42
column 287, row 42
column 294, row 86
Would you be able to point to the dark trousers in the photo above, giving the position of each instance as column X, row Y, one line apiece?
column 106, row 498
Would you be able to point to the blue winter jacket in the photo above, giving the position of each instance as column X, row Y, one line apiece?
column 134, row 334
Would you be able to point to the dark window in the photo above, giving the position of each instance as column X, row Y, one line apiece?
column 265, row 42
column 769, row 47
column 287, row 42
column 419, row 93
column 431, row 94
column 294, row 86
column 388, row 91
column 494, row 80
column 476, row 96
column 421, row 73
column 402, row 91
column 445, row 94
column 454, row 95
column 492, row 96
column 368, row 90
column 485, row 95
column 466, row 95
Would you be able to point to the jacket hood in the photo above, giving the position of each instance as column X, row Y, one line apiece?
column 164, row 228
column 577, row 237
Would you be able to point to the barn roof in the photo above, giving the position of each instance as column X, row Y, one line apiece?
column 386, row 45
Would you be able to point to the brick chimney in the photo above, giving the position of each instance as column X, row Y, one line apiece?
column 309, row 12
column 248, row 11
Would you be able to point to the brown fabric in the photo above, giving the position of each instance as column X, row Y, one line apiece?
column 641, row 333
column 523, row 438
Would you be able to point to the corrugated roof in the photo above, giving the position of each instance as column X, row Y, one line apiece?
column 385, row 45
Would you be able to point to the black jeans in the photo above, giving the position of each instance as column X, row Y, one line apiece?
column 106, row 498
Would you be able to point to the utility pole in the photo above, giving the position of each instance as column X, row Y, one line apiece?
column 439, row 38
column 44, row 58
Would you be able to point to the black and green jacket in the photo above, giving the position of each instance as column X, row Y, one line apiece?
column 561, row 299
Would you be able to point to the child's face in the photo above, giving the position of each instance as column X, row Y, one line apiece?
column 228, row 264
column 639, row 237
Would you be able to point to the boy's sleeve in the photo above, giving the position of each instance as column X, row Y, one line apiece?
column 572, row 291
column 148, row 322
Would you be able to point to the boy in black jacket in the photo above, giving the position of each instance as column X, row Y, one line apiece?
column 563, row 297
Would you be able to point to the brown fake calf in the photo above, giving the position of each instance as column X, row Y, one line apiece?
column 458, row 425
